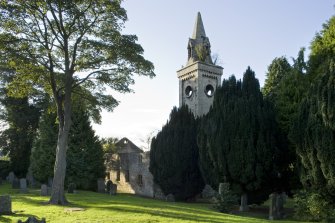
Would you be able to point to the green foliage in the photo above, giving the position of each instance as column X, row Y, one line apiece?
column 85, row 154
column 311, row 206
column 286, row 86
column 85, row 162
column 313, row 133
column 43, row 154
column 201, row 52
column 22, row 117
column 237, row 139
column 225, row 201
column 5, row 168
column 174, row 156
column 108, row 144
column 277, row 70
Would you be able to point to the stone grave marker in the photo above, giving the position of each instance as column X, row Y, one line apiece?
column 5, row 204
column 11, row 177
column 23, row 185
column 244, row 203
column 44, row 190
column 101, row 185
column 16, row 183
column 170, row 198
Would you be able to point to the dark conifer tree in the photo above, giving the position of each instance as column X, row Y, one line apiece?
column 85, row 163
column 237, row 141
column 174, row 156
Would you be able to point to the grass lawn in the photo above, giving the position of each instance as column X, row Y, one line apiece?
column 119, row 208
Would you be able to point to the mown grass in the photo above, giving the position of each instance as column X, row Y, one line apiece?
column 120, row 208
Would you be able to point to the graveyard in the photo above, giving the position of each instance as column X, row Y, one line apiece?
column 88, row 206
column 246, row 138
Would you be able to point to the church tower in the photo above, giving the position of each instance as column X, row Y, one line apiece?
column 200, row 77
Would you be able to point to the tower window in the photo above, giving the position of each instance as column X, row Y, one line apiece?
column 188, row 91
column 209, row 90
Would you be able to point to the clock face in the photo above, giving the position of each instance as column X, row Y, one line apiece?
column 209, row 90
column 188, row 91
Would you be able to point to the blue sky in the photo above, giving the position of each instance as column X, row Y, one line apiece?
column 243, row 33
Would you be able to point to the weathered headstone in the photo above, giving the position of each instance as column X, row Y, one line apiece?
column 5, row 204
column 273, row 212
column 221, row 188
column 11, row 177
column 170, row 198
column 16, row 183
column 244, row 203
column 49, row 182
column 101, row 185
column 44, row 190
column 23, row 185
column 71, row 188
column 111, row 188
column 276, row 210
column 30, row 179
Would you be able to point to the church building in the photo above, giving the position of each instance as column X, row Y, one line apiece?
column 198, row 80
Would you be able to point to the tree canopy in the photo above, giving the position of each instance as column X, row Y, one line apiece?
column 237, row 140
column 174, row 156
column 69, row 47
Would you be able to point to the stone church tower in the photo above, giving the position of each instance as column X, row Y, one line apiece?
column 200, row 77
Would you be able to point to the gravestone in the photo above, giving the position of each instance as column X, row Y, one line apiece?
column 221, row 188
column 30, row 179
column 71, row 188
column 23, row 185
column 244, row 203
column 101, row 185
column 273, row 212
column 16, row 183
column 5, row 204
column 49, row 182
column 111, row 188
column 11, row 177
column 44, row 190
column 170, row 198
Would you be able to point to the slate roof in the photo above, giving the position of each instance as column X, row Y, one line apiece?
column 126, row 146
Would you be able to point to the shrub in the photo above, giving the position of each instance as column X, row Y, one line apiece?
column 4, row 168
column 225, row 200
column 312, row 206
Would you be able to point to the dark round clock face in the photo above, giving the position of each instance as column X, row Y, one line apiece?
column 209, row 90
column 188, row 91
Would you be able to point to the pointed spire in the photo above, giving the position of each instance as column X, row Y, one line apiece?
column 199, row 29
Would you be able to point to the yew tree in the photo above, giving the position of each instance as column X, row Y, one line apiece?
column 64, row 46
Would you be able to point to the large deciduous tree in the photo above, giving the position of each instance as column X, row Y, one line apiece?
column 236, row 140
column 58, row 46
column 174, row 156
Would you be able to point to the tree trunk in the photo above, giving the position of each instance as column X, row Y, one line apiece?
column 64, row 116
column 57, row 193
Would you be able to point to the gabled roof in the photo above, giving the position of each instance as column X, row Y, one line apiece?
column 127, row 146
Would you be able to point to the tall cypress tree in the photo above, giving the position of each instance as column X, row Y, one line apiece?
column 85, row 161
column 174, row 156
column 237, row 141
